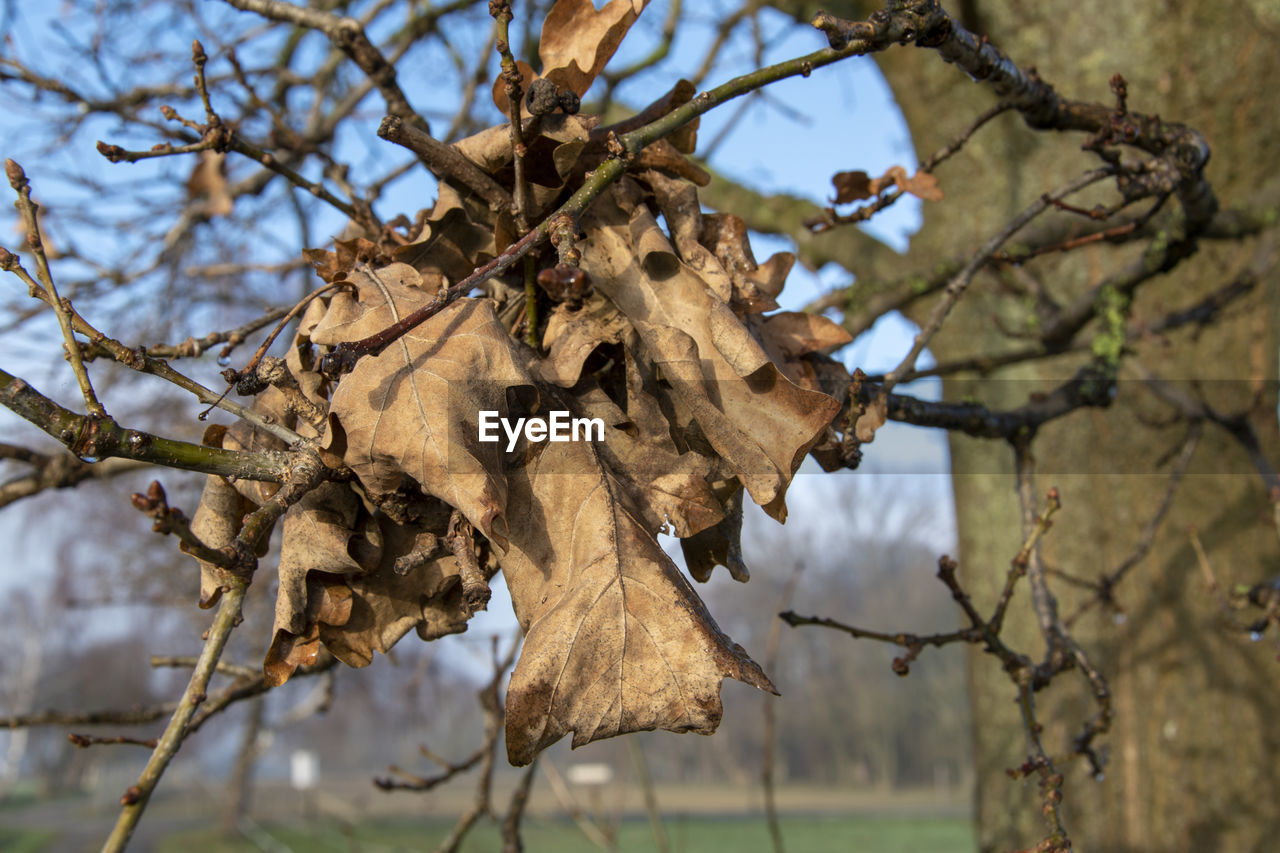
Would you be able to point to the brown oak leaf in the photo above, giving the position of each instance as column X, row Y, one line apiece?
column 719, row 545
column 395, row 598
column 856, row 186
column 327, row 600
column 216, row 522
column 356, row 583
column 616, row 640
column 922, row 185
column 851, row 187
column 572, row 334
column 669, row 488
column 413, row 410
column 578, row 39
column 798, row 333
column 757, row 420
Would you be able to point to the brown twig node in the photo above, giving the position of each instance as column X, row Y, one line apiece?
column 461, row 541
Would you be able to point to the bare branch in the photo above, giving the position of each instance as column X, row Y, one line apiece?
column 136, row 797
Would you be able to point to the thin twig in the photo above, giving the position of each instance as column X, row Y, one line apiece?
column 305, row 472
column 194, row 347
column 413, row 782
column 460, row 539
column 348, row 36
column 63, row 472
column 28, row 209
column 511, row 842
column 187, row 662
column 1104, row 587
column 651, row 808
column 136, row 797
column 344, row 357
column 960, row 282
column 771, row 712
column 141, row 361
column 1040, row 763
column 493, row 719
column 83, row 741
column 1043, row 601
column 520, row 203
column 251, row 368
column 865, row 212
column 444, row 160
column 93, row 439
column 105, row 717
column 562, row 794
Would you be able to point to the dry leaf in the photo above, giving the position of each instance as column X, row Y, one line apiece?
column 357, row 583
column 301, row 358
column 572, row 335
column 318, row 533
column 328, row 600
column 208, row 184
column 798, row 333
column 720, row 545
column 386, row 604
column 412, row 411
column 875, row 416
column 666, row 157
column 669, row 489
column 456, row 240
column 856, row 186
column 700, row 396
column 755, row 286
column 216, row 523
column 797, row 342
column 921, row 185
column 578, row 39
column 851, row 187
column 616, row 640
column 758, row 421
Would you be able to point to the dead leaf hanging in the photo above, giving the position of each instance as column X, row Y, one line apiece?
column 615, row 638
column 578, row 39
column 412, row 411
column 758, row 421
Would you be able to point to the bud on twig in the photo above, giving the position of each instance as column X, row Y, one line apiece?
column 17, row 177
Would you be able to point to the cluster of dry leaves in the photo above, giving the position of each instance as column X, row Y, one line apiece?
column 705, row 395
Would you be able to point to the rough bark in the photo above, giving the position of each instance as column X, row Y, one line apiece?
column 1190, row 750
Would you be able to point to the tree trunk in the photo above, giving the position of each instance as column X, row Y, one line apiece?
column 1191, row 751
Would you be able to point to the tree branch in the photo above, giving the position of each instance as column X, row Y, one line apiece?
column 93, row 439
column 135, row 799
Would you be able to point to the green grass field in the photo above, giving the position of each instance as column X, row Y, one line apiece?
column 25, row 840
column 686, row 835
